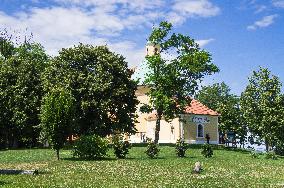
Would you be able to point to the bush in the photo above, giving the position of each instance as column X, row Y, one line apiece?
column 90, row 147
column 207, row 150
column 271, row 155
column 254, row 154
column 279, row 149
column 121, row 148
column 152, row 149
column 181, row 148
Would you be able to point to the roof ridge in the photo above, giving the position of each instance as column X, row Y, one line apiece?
column 195, row 107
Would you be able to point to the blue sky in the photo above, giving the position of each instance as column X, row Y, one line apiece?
column 241, row 35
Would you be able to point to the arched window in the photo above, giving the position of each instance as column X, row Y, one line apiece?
column 200, row 131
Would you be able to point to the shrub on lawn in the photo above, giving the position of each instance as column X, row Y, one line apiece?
column 90, row 147
column 207, row 150
column 279, row 149
column 121, row 148
column 271, row 155
column 254, row 154
column 181, row 148
column 152, row 149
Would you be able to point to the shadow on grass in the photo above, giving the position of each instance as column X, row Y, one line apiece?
column 113, row 159
column 220, row 147
column 142, row 158
column 146, row 144
column 236, row 150
column 2, row 183
column 199, row 146
column 87, row 159
column 24, row 149
column 188, row 157
column 43, row 173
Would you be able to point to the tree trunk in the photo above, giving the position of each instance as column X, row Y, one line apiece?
column 57, row 154
column 6, row 140
column 266, row 145
column 15, row 143
column 158, row 125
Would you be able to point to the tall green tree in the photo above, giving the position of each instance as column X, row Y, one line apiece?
column 100, row 82
column 57, row 117
column 262, row 106
column 218, row 97
column 213, row 95
column 172, row 81
column 21, row 90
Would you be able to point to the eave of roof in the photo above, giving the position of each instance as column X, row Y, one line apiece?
column 195, row 107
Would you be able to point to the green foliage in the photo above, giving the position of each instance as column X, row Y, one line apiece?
column 152, row 150
column 101, row 84
column 7, row 46
column 262, row 106
column 271, row 155
column 172, row 81
column 181, row 148
column 214, row 95
column 254, row 154
column 57, row 114
column 279, row 149
column 207, row 151
column 90, row 147
column 121, row 148
column 21, row 91
column 218, row 97
column 146, row 108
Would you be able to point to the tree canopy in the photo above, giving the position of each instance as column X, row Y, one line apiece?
column 21, row 91
column 99, row 80
column 262, row 106
column 218, row 97
column 172, row 81
column 57, row 113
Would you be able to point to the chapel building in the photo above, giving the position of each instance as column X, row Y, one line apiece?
column 194, row 126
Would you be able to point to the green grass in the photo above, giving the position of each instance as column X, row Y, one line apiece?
column 225, row 169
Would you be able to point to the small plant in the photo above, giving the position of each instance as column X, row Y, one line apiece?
column 279, row 149
column 152, row 149
column 181, row 148
column 207, row 150
column 254, row 154
column 121, row 148
column 271, row 155
column 90, row 147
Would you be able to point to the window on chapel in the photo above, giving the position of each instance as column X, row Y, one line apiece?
column 200, row 131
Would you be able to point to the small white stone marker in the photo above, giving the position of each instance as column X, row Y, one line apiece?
column 197, row 169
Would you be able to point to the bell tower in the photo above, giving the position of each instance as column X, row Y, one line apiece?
column 152, row 49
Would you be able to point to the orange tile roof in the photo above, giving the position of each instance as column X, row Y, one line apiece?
column 198, row 108
column 195, row 107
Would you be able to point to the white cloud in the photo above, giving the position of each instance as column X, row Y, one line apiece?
column 133, row 5
column 202, row 8
column 183, row 9
column 204, row 42
column 59, row 27
column 99, row 22
column 264, row 22
column 278, row 3
column 54, row 28
column 260, row 8
column 134, row 56
column 176, row 18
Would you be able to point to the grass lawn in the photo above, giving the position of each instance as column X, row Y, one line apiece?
column 224, row 169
